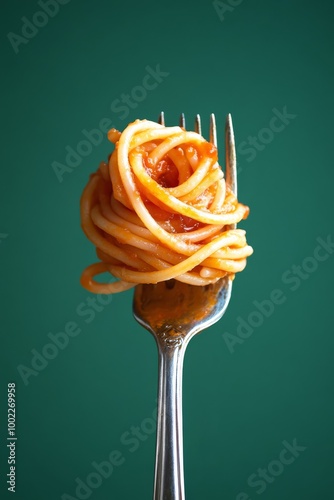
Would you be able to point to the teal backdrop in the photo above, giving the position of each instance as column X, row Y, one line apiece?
column 258, row 386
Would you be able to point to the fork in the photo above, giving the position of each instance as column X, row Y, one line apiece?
column 174, row 312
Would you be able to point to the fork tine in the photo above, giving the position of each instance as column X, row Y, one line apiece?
column 213, row 130
column 198, row 126
column 161, row 118
column 230, row 156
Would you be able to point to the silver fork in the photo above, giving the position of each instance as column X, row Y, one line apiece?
column 174, row 312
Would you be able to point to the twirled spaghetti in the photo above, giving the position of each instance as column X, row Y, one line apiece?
column 160, row 210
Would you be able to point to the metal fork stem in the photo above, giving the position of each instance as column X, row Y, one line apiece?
column 169, row 477
column 167, row 310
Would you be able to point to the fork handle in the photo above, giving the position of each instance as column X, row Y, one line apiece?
column 169, row 480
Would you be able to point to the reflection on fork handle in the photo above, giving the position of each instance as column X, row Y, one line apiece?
column 169, row 479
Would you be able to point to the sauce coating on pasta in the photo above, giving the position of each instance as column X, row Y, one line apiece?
column 160, row 209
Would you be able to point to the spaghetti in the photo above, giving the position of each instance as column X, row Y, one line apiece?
column 160, row 209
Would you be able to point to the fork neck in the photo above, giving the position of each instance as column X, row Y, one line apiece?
column 169, row 476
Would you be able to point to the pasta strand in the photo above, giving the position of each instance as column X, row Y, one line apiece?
column 160, row 210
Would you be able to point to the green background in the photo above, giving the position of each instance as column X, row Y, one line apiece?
column 242, row 402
